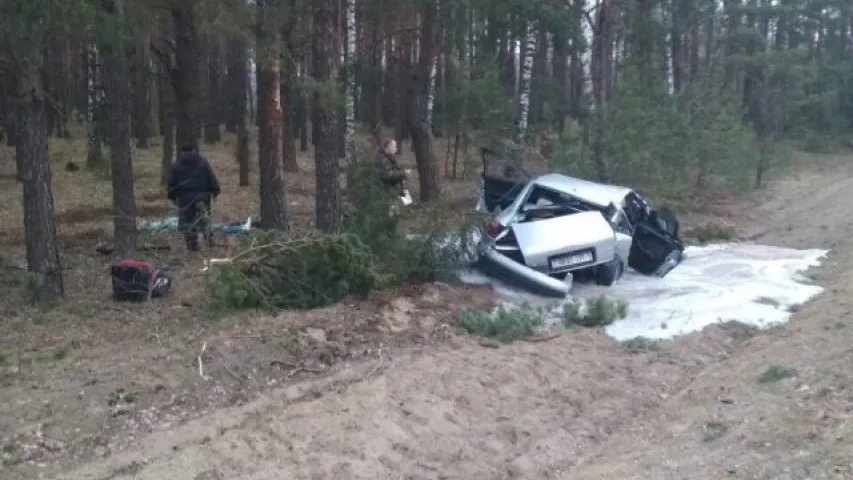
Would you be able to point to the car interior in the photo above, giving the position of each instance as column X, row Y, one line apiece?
column 503, row 180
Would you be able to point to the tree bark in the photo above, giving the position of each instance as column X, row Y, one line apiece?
column 118, row 98
column 288, row 119
column 561, row 76
column 418, row 100
column 271, row 171
column 539, row 78
column 349, row 88
column 601, row 59
column 525, row 85
column 142, row 114
column 238, row 112
column 324, row 127
column 238, row 78
column 166, row 98
column 187, row 78
column 32, row 156
column 212, row 93
column 94, row 109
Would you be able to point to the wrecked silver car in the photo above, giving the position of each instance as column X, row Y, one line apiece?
column 545, row 232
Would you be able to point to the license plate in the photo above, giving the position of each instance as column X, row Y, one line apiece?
column 571, row 260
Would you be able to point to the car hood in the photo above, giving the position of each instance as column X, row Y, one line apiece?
column 542, row 238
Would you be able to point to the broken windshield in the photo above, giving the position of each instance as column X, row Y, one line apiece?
column 546, row 203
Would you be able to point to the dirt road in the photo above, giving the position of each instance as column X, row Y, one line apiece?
column 579, row 406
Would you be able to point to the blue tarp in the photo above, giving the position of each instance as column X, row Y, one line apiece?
column 171, row 224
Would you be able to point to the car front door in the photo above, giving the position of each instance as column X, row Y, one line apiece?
column 501, row 182
column 655, row 247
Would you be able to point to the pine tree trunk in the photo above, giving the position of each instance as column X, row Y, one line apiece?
column 349, row 100
column 418, row 94
column 94, row 121
column 539, row 78
column 187, row 81
column 600, row 70
column 238, row 78
column 324, row 56
column 32, row 156
column 238, row 112
column 167, row 122
column 270, row 162
column 288, row 102
column 213, row 95
column 118, row 99
column 561, row 77
column 302, row 117
column 142, row 114
column 166, row 97
column 525, row 84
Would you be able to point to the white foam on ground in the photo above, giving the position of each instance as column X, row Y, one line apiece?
column 754, row 284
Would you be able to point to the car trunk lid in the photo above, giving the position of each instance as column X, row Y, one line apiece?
column 540, row 240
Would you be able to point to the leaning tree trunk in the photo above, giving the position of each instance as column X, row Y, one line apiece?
column 32, row 156
column 117, row 96
column 271, row 171
column 417, row 116
column 324, row 53
column 349, row 99
column 524, row 87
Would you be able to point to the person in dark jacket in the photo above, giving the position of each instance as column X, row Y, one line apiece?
column 390, row 173
column 192, row 185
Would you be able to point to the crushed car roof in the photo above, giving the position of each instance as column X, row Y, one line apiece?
column 597, row 193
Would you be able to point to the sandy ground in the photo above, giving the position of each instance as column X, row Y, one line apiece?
column 579, row 406
column 388, row 388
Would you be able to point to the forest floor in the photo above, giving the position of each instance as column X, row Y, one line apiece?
column 389, row 388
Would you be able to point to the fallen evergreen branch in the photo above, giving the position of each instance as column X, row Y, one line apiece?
column 275, row 271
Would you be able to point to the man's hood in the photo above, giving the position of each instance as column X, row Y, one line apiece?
column 190, row 159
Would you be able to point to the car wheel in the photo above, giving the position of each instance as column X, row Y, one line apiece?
column 607, row 274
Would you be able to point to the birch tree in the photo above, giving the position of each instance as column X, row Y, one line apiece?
column 350, row 86
column 526, row 79
column 94, row 108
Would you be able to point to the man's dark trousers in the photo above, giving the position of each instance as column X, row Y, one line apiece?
column 194, row 218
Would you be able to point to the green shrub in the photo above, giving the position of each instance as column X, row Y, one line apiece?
column 776, row 373
column 641, row 343
column 503, row 323
column 597, row 312
column 517, row 322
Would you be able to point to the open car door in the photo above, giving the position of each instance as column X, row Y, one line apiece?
column 501, row 182
column 656, row 247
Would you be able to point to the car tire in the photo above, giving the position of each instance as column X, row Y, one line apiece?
column 606, row 274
